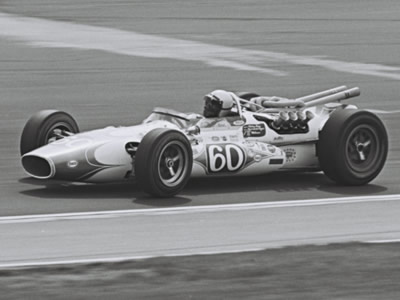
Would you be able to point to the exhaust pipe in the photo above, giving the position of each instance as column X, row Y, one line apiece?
column 322, row 94
column 350, row 93
column 335, row 94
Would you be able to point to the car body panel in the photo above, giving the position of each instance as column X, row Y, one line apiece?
column 237, row 145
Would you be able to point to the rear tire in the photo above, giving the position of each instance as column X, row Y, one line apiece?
column 163, row 162
column 42, row 127
column 247, row 95
column 352, row 147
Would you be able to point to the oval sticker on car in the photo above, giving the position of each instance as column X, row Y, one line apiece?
column 238, row 122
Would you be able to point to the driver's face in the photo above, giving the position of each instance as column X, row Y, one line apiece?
column 212, row 107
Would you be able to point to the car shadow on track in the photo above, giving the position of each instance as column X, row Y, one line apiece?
column 278, row 182
column 123, row 190
column 289, row 185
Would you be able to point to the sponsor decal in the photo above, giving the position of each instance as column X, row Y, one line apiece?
column 254, row 130
column 235, row 120
column 278, row 138
column 225, row 158
column 290, row 154
column 271, row 148
column 238, row 122
column 250, row 144
column 72, row 164
column 215, row 139
column 233, row 138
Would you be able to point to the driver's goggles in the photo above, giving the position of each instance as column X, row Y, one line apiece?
column 210, row 99
column 212, row 104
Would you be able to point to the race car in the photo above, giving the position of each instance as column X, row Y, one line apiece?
column 238, row 134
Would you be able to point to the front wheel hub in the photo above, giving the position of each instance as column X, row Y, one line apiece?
column 173, row 165
column 363, row 148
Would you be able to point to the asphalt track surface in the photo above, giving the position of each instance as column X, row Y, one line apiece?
column 171, row 54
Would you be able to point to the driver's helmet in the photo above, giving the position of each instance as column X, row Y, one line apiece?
column 218, row 104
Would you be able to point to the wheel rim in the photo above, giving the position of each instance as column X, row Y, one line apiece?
column 363, row 149
column 58, row 131
column 172, row 163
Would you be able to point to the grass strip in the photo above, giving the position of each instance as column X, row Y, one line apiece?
column 337, row 271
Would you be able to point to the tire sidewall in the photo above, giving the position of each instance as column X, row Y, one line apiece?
column 148, row 158
column 334, row 139
column 36, row 131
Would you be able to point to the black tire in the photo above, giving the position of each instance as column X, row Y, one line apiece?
column 352, row 147
column 247, row 95
column 40, row 129
column 163, row 162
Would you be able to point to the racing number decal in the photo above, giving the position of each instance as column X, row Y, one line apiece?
column 225, row 158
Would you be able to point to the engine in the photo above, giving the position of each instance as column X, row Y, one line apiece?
column 288, row 122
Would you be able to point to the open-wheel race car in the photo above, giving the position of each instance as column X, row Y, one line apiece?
column 239, row 134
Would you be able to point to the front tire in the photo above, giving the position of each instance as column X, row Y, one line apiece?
column 352, row 147
column 163, row 162
column 45, row 127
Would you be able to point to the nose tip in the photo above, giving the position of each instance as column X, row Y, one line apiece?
column 37, row 166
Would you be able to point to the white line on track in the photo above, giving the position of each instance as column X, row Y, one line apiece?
column 117, row 259
column 56, row 34
column 195, row 209
column 383, row 241
column 209, row 209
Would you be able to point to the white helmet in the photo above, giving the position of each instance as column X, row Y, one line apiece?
column 218, row 103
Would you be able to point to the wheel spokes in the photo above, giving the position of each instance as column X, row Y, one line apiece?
column 171, row 171
column 58, row 133
column 171, row 164
column 361, row 155
column 363, row 148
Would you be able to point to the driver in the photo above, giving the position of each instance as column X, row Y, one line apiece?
column 218, row 103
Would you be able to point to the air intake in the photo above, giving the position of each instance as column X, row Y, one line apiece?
column 37, row 167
